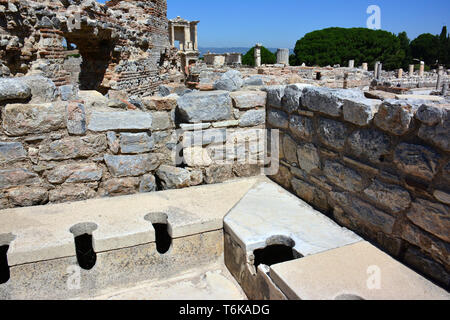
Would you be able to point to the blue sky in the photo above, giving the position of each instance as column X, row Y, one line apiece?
column 280, row 23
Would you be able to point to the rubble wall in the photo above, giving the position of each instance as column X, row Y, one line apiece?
column 381, row 169
column 124, row 45
column 57, row 145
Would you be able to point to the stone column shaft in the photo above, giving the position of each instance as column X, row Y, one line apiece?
column 422, row 69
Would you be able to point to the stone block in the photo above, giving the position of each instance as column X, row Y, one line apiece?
column 218, row 173
column 248, row 99
column 148, row 183
column 73, row 148
column 277, row 119
column 392, row 197
column 11, row 152
column 332, row 133
column 167, row 103
column 439, row 133
column 360, row 111
column 131, row 165
column 71, row 192
column 18, row 177
column 161, row 121
column 253, row 118
column 301, row 127
column 133, row 143
column 229, row 81
column 75, row 173
column 308, row 157
column 93, row 99
column 13, row 88
column 292, row 96
column 120, row 120
column 417, row 161
column 76, row 119
column 432, row 217
column 205, row 106
column 343, row 177
column 23, row 119
column 173, row 177
column 371, row 144
column 395, row 116
column 290, row 150
column 328, row 101
column 196, row 157
column 43, row 89
column 27, row 196
column 275, row 95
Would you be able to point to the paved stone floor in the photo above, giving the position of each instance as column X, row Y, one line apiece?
column 211, row 282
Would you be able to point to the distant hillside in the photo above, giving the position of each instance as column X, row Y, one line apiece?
column 242, row 50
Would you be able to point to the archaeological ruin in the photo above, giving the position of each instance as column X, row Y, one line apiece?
column 132, row 169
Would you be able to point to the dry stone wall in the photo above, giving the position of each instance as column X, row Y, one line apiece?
column 59, row 146
column 380, row 168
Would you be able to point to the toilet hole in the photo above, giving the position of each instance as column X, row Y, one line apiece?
column 5, row 241
column 278, row 249
column 84, row 247
column 163, row 231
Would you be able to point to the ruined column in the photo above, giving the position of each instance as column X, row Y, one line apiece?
column 444, row 89
column 411, row 70
column 196, row 38
column 380, row 69
column 346, row 80
column 400, row 73
column 172, row 35
column 283, row 56
column 365, row 66
column 351, row 64
column 422, row 69
column 187, row 37
column 375, row 70
column 440, row 77
column 258, row 55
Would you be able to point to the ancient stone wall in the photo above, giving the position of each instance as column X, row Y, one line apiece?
column 60, row 145
column 379, row 168
column 124, row 45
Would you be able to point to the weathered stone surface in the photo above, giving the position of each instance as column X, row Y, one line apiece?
column 416, row 259
column 362, row 213
column 71, row 192
column 22, row 119
column 43, row 90
column 205, row 137
column 430, row 114
column 205, row 106
column 73, row 148
column 167, row 103
column 218, row 173
column 446, row 172
column 292, row 96
column 389, row 196
column 327, row 101
column 438, row 249
column 12, row 88
column 248, row 99
column 432, row 217
column 196, row 177
column 173, row 177
column 121, row 120
column 278, row 119
column 93, row 99
column 18, row 177
column 438, row 134
column 283, row 177
column 442, row 196
column 343, row 177
column 161, row 120
column 28, row 196
column 230, row 81
column 11, row 152
column 360, row 111
column 416, row 160
column 76, row 119
column 246, row 169
column 135, row 165
column 253, row 118
column 308, row 157
column 148, row 183
column 75, row 172
column 371, row 144
column 195, row 126
column 68, row 92
column 301, row 127
column 196, row 157
column 225, row 124
column 290, row 150
column 394, row 116
column 133, row 143
column 120, row 186
column 332, row 133
column 274, row 95
column 310, row 193
column 113, row 142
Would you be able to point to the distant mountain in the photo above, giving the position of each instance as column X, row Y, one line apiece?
column 242, row 50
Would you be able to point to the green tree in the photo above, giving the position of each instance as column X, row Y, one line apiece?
column 405, row 46
column 339, row 45
column 444, row 47
column 426, row 47
column 267, row 57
